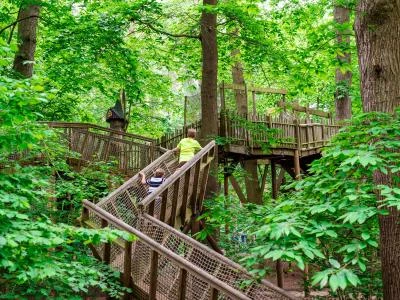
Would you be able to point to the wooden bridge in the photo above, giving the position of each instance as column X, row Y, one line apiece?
column 165, row 263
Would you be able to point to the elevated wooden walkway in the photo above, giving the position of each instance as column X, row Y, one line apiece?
column 130, row 152
column 164, row 263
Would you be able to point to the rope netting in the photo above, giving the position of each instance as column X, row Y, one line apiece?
column 132, row 204
column 124, row 202
column 210, row 261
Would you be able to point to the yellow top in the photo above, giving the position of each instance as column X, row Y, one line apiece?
column 187, row 148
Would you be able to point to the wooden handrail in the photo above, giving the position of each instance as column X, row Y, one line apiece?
column 180, row 261
column 176, row 176
column 89, row 125
column 213, row 253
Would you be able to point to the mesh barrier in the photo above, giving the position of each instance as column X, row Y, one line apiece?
column 208, row 260
column 123, row 202
column 182, row 190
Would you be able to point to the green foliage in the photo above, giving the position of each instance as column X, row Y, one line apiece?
column 92, row 183
column 38, row 257
column 331, row 220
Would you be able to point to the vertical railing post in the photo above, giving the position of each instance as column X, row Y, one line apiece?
column 107, row 246
column 85, row 214
column 182, row 284
column 185, row 196
column 214, row 294
column 253, row 94
column 175, row 197
column 164, row 200
column 127, row 266
column 153, row 275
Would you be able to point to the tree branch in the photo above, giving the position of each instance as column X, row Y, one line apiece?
column 15, row 22
column 176, row 35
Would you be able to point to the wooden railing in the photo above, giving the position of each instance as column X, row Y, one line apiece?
column 95, row 143
column 278, row 132
column 170, row 140
column 165, row 264
column 183, row 191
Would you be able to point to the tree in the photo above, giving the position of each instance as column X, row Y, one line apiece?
column 343, row 75
column 209, row 82
column 27, row 24
column 253, row 190
column 377, row 29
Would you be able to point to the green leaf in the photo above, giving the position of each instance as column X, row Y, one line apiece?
column 334, row 263
column 334, row 282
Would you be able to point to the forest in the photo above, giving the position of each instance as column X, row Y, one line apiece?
column 187, row 149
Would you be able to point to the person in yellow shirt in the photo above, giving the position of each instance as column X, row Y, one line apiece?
column 187, row 147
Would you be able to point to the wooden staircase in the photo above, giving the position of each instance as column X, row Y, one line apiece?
column 164, row 263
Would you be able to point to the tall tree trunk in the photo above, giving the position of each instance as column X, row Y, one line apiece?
column 254, row 193
column 343, row 79
column 378, row 39
column 23, row 61
column 209, row 112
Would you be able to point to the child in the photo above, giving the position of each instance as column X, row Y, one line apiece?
column 155, row 181
column 187, row 147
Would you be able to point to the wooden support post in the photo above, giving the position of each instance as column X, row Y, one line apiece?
column 296, row 159
column 127, row 267
column 264, row 178
column 281, row 178
column 306, row 281
column 279, row 273
column 237, row 189
column 153, row 275
column 107, row 246
column 226, row 195
column 273, row 181
column 278, row 266
column 182, row 284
